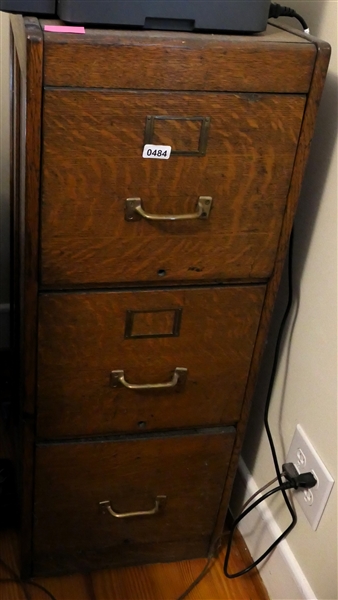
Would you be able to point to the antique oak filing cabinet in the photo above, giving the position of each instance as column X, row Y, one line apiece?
column 144, row 287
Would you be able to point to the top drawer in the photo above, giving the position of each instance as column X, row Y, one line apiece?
column 237, row 149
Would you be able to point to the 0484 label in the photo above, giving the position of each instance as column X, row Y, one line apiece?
column 155, row 151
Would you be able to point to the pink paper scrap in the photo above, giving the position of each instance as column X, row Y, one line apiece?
column 64, row 29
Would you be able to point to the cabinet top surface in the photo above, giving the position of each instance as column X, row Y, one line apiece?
column 273, row 34
column 275, row 61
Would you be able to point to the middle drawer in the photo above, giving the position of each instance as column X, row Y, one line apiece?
column 93, row 345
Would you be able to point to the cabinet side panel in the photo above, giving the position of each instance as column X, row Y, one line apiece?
column 28, row 49
column 15, row 93
column 30, row 205
column 307, row 131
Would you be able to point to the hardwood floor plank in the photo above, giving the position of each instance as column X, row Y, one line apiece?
column 12, row 591
column 147, row 582
column 64, row 588
column 168, row 582
column 240, row 558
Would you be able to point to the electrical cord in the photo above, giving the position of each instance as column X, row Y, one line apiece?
column 16, row 579
column 294, row 479
column 264, row 487
column 196, row 581
column 218, row 544
column 212, row 555
column 285, row 486
column 281, row 487
column 289, row 472
column 276, row 10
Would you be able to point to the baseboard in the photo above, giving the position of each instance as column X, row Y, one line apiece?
column 280, row 572
column 4, row 325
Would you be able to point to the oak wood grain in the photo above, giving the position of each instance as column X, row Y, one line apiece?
column 93, row 162
column 181, row 61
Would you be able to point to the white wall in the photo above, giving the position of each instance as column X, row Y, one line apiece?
column 305, row 390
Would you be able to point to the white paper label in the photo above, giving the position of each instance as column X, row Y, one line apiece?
column 154, row 151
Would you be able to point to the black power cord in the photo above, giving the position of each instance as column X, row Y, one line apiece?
column 15, row 579
column 294, row 480
column 303, row 480
column 276, row 10
column 298, row 480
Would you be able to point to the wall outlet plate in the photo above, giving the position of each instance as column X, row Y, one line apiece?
column 303, row 455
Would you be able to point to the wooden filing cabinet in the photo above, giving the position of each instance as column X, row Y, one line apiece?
column 143, row 287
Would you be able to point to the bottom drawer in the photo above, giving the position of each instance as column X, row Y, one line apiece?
column 73, row 531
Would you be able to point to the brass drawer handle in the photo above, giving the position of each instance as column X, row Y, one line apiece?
column 178, row 380
column 106, row 506
column 134, row 211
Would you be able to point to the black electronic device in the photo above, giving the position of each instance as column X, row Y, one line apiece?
column 246, row 16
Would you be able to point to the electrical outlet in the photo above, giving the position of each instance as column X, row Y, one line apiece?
column 303, row 455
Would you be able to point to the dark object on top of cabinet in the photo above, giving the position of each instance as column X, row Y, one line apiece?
column 181, row 15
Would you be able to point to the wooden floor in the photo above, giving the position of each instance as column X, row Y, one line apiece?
column 151, row 582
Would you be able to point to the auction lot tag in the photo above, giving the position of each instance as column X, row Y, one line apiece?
column 154, row 151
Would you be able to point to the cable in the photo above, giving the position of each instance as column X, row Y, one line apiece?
column 197, row 580
column 285, row 486
column 264, row 487
column 282, row 486
column 218, row 541
column 298, row 480
column 212, row 555
column 19, row 581
column 295, row 480
column 24, row 583
column 216, row 546
column 276, row 10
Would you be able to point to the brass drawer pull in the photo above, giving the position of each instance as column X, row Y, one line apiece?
column 134, row 211
column 178, row 380
column 106, row 506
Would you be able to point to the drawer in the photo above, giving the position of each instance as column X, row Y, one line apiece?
column 236, row 149
column 179, row 478
column 84, row 337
